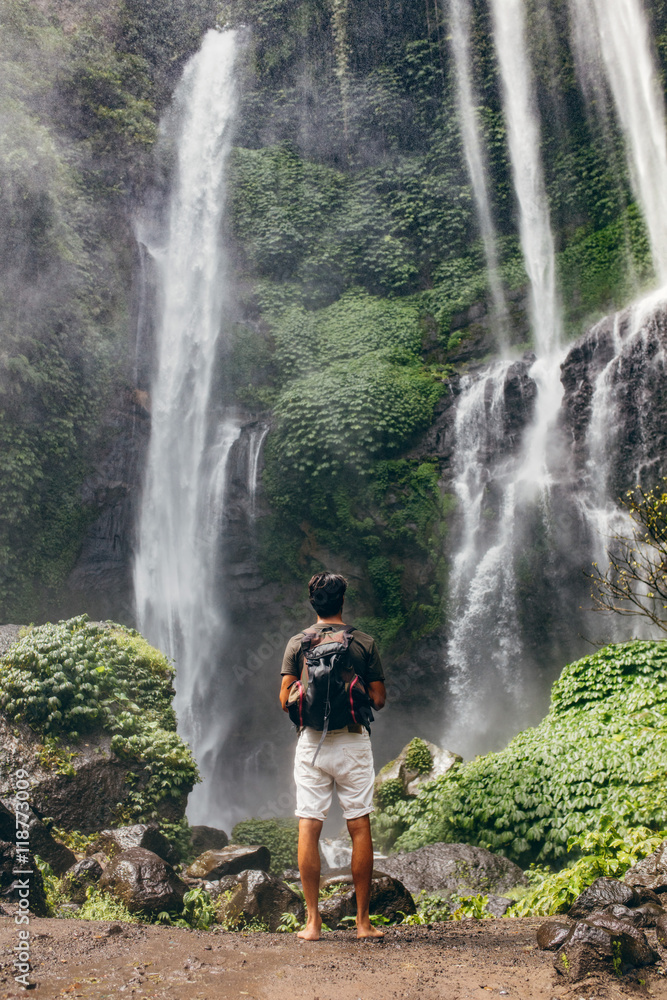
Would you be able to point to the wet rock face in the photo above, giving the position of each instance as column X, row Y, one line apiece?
column 115, row 841
column 256, row 895
column 207, row 838
column 448, row 868
column 143, row 882
column 13, row 885
column 229, row 861
column 79, row 877
column 552, row 934
column 651, row 872
column 600, row 894
column 601, row 943
column 389, row 898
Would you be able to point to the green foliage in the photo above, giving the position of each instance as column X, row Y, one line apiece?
column 198, row 911
column 601, row 750
column 77, row 676
column 390, row 791
column 418, row 757
column 280, row 836
column 103, row 906
column 289, row 924
column 433, row 909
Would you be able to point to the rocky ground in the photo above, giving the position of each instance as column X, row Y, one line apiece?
column 453, row 961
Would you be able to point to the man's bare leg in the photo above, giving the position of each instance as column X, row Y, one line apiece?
column 362, row 873
column 309, row 869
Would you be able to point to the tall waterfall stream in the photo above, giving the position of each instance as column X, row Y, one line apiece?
column 510, row 479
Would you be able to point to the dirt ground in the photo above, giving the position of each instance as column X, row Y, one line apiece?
column 453, row 961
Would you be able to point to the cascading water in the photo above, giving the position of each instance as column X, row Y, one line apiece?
column 626, row 51
column 460, row 14
column 257, row 438
column 176, row 567
column 485, row 653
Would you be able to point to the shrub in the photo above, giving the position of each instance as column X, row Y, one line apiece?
column 601, row 750
column 418, row 757
column 281, row 836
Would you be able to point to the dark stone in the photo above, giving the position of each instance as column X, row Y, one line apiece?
column 600, row 894
column 650, row 872
column 605, row 944
column 40, row 840
column 207, row 838
column 552, row 934
column 13, row 869
column 460, row 868
column 79, row 877
column 498, row 906
column 650, row 912
column 230, row 861
column 620, row 912
column 116, row 841
column 256, row 895
column 389, row 898
column 661, row 930
column 144, row 882
column 645, row 895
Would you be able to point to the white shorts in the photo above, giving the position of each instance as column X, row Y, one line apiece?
column 346, row 760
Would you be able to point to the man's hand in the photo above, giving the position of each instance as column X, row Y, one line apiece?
column 288, row 680
column 378, row 694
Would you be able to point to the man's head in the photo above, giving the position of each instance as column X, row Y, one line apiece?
column 327, row 592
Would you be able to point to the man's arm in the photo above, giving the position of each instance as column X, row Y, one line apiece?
column 288, row 680
column 377, row 694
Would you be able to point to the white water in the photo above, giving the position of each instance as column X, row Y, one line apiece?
column 627, row 55
column 257, row 438
column 489, row 678
column 184, row 492
column 460, row 14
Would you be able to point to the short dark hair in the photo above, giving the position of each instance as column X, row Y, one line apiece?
column 327, row 591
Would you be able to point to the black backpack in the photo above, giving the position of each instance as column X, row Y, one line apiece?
column 329, row 694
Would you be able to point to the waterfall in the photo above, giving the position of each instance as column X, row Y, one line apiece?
column 257, row 437
column 490, row 678
column 460, row 14
column 182, row 506
column 634, row 82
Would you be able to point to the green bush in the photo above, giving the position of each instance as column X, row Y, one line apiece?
column 601, row 750
column 280, row 836
column 418, row 757
column 76, row 676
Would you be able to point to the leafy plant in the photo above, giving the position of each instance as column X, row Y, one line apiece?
column 601, row 750
column 289, row 924
column 418, row 757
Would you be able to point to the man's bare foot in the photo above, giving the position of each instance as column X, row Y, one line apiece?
column 365, row 929
column 311, row 931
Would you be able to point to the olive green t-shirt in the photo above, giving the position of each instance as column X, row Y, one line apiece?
column 364, row 656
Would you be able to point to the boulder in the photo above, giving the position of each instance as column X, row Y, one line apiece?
column 116, row 841
column 79, row 877
column 15, row 871
column 650, row 872
column 256, row 895
column 553, row 933
column 661, row 930
column 498, row 906
column 41, row 841
column 143, row 881
column 207, row 838
column 600, row 894
column 650, row 913
column 634, row 916
column 605, row 944
column 389, row 898
column 449, row 868
column 442, row 762
column 229, row 861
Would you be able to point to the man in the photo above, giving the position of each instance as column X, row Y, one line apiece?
column 345, row 759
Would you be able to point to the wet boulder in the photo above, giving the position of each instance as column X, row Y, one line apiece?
column 602, row 943
column 498, row 906
column 113, row 842
column 19, row 874
column 143, row 881
column 553, row 933
column 661, row 930
column 454, row 868
column 207, row 838
column 650, row 872
column 40, row 839
column 389, row 898
column 411, row 779
column 649, row 913
column 633, row 916
column 79, row 877
column 600, row 894
column 257, row 896
column 229, row 861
